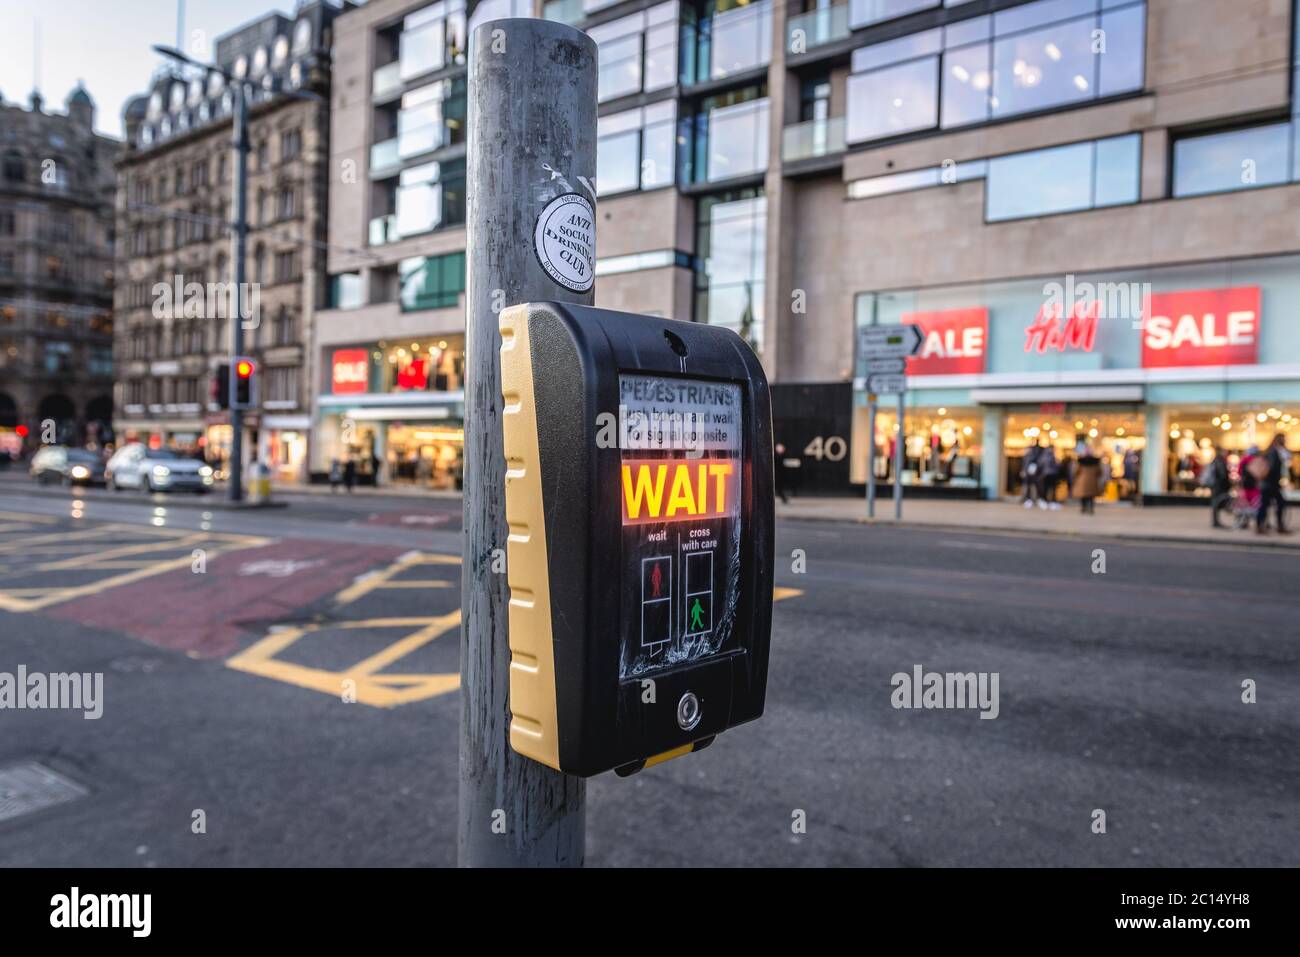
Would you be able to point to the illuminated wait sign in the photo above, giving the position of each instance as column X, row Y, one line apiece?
column 656, row 490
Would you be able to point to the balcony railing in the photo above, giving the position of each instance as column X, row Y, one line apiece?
column 387, row 80
column 815, row 28
column 383, row 230
column 384, row 158
column 814, row 138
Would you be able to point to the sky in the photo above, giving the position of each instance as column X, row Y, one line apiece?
column 106, row 44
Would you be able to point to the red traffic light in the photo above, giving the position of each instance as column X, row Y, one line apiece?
column 244, row 368
column 22, row 431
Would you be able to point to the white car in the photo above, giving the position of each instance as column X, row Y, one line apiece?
column 156, row 470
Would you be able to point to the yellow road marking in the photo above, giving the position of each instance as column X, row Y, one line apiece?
column 379, row 691
column 383, row 579
column 780, row 592
column 163, row 540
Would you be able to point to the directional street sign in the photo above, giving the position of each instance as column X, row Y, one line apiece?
column 879, row 342
column 886, row 366
column 886, row 383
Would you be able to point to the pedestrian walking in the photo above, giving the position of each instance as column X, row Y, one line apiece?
column 350, row 474
column 1087, row 480
column 1051, row 472
column 1031, row 476
column 1270, row 486
column 336, row 476
column 1217, row 477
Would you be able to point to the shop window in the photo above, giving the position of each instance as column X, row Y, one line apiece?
column 1115, row 435
column 943, row 447
column 1196, row 431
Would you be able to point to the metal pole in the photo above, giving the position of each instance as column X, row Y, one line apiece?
column 871, row 458
column 238, row 240
column 899, row 442
column 532, row 137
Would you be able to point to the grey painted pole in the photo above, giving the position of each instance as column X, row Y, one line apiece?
column 532, row 137
column 871, row 458
column 899, row 442
column 238, row 240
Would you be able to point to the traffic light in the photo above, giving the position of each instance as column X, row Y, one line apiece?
column 245, row 387
column 638, row 495
column 221, row 385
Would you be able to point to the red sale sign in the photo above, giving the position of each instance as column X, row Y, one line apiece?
column 955, row 343
column 350, row 370
column 1201, row 327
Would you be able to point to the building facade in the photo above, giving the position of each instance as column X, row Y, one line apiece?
column 56, row 275
column 1008, row 174
column 174, row 209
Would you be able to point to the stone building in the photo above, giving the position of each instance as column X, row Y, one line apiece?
column 174, row 208
column 56, row 275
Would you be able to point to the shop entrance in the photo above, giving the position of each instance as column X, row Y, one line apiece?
column 1116, row 434
column 427, row 455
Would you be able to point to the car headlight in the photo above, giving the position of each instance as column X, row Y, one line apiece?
column 161, row 471
column 205, row 470
column 80, row 471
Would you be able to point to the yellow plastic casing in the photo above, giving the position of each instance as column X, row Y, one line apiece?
column 534, row 728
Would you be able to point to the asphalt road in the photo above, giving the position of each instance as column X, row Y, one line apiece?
column 224, row 638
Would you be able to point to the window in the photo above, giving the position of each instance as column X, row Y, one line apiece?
column 281, row 385
column 15, row 168
column 864, row 12
column 430, row 196
column 1028, row 58
column 636, row 149
column 729, row 276
column 725, row 37
column 346, row 291
column 6, row 223
column 1240, row 159
column 1063, row 179
column 435, row 282
column 286, row 265
column 285, row 327
column 6, row 262
column 893, row 100
column 637, row 53
column 432, row 38
column 427, row 121
column 730, row 133
column 288, row 202
column 290, row 145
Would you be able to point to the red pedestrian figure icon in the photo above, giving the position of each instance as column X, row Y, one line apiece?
column 656, row 579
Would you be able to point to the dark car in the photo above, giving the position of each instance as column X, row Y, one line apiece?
column 58, row 464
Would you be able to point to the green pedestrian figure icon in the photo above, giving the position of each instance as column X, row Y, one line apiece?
column 697, row 615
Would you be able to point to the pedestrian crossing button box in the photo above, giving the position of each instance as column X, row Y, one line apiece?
column 638, row 490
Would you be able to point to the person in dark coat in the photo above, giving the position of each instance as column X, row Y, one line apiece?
column 1270, row 488
column 1217, row 477
column 350, row 474
column 1087, row 480
column 1031, row 473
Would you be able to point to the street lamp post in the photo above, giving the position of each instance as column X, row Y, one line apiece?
column 238, row 244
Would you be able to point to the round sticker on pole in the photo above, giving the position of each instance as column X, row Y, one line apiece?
column 565, row 241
